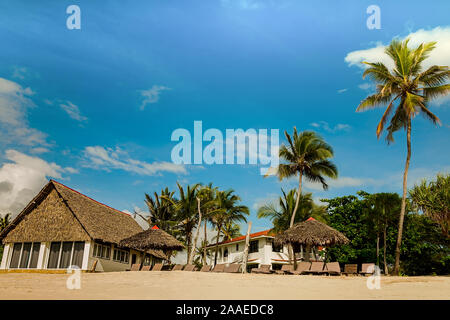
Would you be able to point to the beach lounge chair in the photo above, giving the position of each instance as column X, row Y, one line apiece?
column 178, row 267
column 189, row 267
column 285, row 269
column 135, row 267
column 146, row 268
column 157, row 267
column 302, row 268
column 316, row 268
column 351, row 268
column 219, row 268
column 333, row 268
column 367, row 268
column 206, row 268
column 233, row 268
column 264, row 268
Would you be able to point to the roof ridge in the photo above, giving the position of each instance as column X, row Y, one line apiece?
column 102, row 204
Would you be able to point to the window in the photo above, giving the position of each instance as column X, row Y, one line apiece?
column 26, row 250
column 253, row 246
column 15, row 255
column 53, row 258
column 77, row 257
column 237, row 247
column 120, row 255
column 277, row 247
column 34, row 255
column 102, row 251
column 66, row 254
column 225, row 253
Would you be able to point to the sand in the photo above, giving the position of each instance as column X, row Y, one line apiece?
column 205, row 286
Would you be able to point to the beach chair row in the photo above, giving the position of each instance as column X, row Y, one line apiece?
column 231, row 268
column 330, row 268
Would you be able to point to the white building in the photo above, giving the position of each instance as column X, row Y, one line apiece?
column 61, row 227
column 262, row 250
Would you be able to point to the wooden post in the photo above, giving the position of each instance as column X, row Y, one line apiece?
column 247, row 242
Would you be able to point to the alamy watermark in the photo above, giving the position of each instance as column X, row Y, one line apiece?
column 374, row 281
column 74, row 280
column 235, row 147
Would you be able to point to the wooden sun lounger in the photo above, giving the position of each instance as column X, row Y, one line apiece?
column 316, row 268
column 157, row 267
column 302, row 268
column 219, row 268
column 367, row 268
column 189, row 267
column 333, row 268
column 206, row 268
column 178, row 267
column 232, row 268
column 285, row 269
column 264, row 268
column 135, row 267
column 146, row 268
column 351, row 268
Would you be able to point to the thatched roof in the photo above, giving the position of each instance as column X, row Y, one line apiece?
column 152, row 239
column 158, row 254
column 59, row 213
column 312, row 232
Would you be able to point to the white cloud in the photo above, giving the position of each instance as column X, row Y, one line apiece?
column 152, row 95
column 98, row 157
column 21, row 178
column 342, row 90
column 366, row 86
column 14, row 106
column 73, row 111
column 439, row 56
column 325, row 126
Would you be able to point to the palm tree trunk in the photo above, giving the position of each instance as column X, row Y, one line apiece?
column 384, row 251
column 217, row 245
column 299, row 193
column 194, row 244
column 403, row 208
column 378, row 249
column 204, row 247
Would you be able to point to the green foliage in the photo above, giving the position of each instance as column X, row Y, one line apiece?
column 433, row 199
column 424, row 250
column 280, row 214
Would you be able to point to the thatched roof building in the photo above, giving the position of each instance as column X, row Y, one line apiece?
column 152, row 238
column 61, row 227
column 313, row 233
column 59, row 213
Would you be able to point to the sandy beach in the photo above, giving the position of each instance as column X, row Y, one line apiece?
column 206, row 286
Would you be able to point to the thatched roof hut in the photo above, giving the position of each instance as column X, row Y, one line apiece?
column 59, row 213
column 313, row 233
column 156, row 239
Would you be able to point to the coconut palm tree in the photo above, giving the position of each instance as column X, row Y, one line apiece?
column 227, row 210
column 161, row 211
column 281, row 214
column 410, row 88
column 231, row 230
column 306, row 155
column 186, row 212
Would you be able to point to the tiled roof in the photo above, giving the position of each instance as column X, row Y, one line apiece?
column 241, row 238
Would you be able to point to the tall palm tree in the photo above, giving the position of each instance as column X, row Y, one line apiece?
column 186, row 211
column 281, row 214
column 161, row 211
column 306, row 155
column 411, row 88
column 231, row 230
column 227, row 210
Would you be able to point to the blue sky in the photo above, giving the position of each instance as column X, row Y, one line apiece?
column 95, row 108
